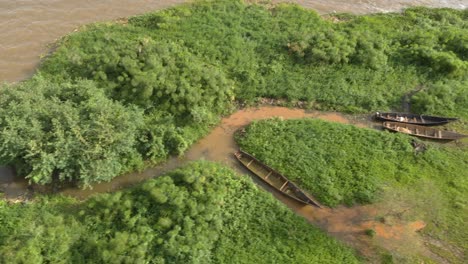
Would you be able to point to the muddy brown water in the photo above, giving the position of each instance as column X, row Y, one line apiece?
column 218, row 146
column 347, row 224
column 28, row 26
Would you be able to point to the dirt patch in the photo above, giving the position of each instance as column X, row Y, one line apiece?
column 388, row 230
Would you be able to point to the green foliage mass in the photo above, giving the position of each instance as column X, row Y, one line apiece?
column 448, row 95
column 352, row 63
column 344, row 164
column 137, row 69
column 185, row 66
column 67, row 132
column 202, row 213
column 74, row 132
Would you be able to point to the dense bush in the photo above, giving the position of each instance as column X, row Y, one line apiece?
column 443, row 97
column 67, row 132
column 282, row 51
column 203, row 213
column 136, row 69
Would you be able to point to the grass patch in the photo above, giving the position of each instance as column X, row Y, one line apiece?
column 203, row 213
column 345, row 164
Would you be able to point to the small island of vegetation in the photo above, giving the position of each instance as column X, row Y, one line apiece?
column 344, row 164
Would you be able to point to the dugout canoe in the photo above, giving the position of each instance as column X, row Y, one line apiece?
column 274, row 179
column 422, row 131
column 422, row 120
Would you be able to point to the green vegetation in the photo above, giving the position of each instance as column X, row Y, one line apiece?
column 74, row 132
column 370, row 232
column 116, row 95
column 361, row 63
column 68, row 131
column 345, row 164
column 174, row 72
column 203, row 213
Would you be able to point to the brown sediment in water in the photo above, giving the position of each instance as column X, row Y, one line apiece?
column 218, row 145
column 347, row 224
column 350, row 225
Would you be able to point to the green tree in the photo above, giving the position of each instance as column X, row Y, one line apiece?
column 67, row 132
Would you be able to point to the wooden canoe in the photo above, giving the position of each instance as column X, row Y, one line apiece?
column 422, row 131
column 274, row 179
column 423, row 120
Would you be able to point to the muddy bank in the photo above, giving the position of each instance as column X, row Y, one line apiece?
column 218, row 146
column 348, row 224
column 28, row 26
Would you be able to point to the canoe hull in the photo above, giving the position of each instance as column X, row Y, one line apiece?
column 422, row 131
column 274, row 179
column 414, row 119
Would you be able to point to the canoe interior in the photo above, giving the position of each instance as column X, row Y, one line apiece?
column 274, row 179
column 414, row 118
column 422, row 131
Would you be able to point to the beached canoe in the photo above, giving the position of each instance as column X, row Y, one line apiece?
column 422, row 131
column 423, row 120
column 274, row 179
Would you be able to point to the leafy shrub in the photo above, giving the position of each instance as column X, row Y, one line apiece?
column 67, row 132
column 444, row 98
column 136, row 69
column 202, row 213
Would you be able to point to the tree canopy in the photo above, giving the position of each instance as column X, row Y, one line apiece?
column 203, row 213
column 67, row 132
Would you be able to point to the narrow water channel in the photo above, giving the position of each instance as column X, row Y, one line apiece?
column 347, row 224
column 218, row 146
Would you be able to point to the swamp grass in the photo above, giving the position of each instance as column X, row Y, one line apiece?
column 343, row 164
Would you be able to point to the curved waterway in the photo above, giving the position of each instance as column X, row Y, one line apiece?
column 218, row 146
column 28, row 26
column 347, row 224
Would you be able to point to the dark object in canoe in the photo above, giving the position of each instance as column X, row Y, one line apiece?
column 274, row 179
column 422, row 131
column 423, row 120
